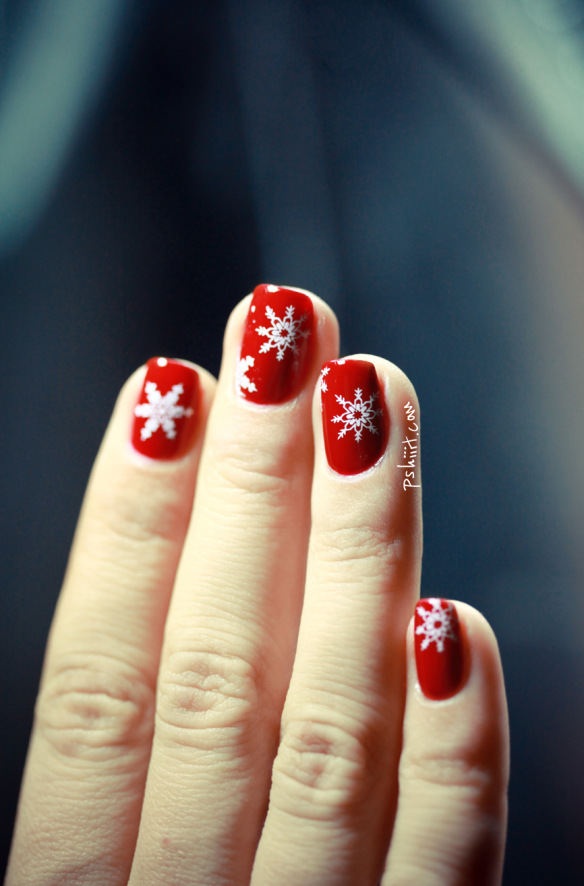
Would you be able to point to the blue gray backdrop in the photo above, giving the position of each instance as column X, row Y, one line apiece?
column 417, row 164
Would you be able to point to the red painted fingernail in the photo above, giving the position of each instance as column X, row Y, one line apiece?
column 439, row 648
column 166, row 412
column 275, row 351
column 354, row 417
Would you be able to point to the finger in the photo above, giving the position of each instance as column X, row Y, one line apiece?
column 84, row 781
column 450, row 825
column 335, row 775
column 232, row 626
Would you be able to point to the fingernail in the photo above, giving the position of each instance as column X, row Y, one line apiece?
column 354, row 417
column 166, row 412
column 439, row 648
column 275, row 351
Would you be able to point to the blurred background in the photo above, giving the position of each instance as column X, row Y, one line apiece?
column 417, row 163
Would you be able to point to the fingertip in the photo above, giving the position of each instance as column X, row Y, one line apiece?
column 397, row 383
column 176, row 427
column 326, row 319
column 275, row 341
column 456, row 697
column 441, row 626
column 393, row 394
column 367, row 452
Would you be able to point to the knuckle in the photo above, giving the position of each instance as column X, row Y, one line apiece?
column 163, row 511
column 324, row 770
column 207, row 700
column 262, row 464
column 95, row 711
column 367, row 547
column 461, row 773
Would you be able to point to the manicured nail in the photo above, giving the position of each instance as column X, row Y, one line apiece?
column 354, row 417
column 275, row 351
column 439, row 648
column 166, row 413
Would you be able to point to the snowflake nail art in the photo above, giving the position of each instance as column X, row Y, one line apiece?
column 358, row 415
column 161, row 411
column 275, row 350
column 439, row 648
column 437, row 623
column 165, row 413
column 242, row 382
column 284, row 333
column 354, row 419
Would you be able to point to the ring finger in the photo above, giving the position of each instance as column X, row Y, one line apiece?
column 334, row 786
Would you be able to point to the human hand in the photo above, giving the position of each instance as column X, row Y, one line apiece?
column 230, row 692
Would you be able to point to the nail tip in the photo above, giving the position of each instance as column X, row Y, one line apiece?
column 354, row 416
column 439, row 651
column 166, row 413
column 277, row 341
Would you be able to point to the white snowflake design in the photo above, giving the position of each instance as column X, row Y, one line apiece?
column 283, row 333
column 161, row 412
column 323, row 383
column 242, row 382
column 438, row 624
column 359, row 414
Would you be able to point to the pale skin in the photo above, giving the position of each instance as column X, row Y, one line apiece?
column 230, row 695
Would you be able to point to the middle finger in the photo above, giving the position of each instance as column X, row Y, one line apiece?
column 232, row 624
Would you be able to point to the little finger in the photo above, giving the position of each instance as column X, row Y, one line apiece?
column 454, row 768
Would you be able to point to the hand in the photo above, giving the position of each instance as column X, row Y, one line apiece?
column 230, row 692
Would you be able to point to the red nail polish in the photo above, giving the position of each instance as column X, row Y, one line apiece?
column 166, row 412
column 439, row 648
column 275, row 351
column 354, row 417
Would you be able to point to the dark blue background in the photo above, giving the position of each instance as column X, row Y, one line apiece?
column 352, row 148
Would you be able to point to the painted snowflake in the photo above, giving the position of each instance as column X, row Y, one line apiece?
column 161, row 412
column 323, row 375
column 242, row 382
column 358, row 415
column 283, row 333
column 438, row 624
